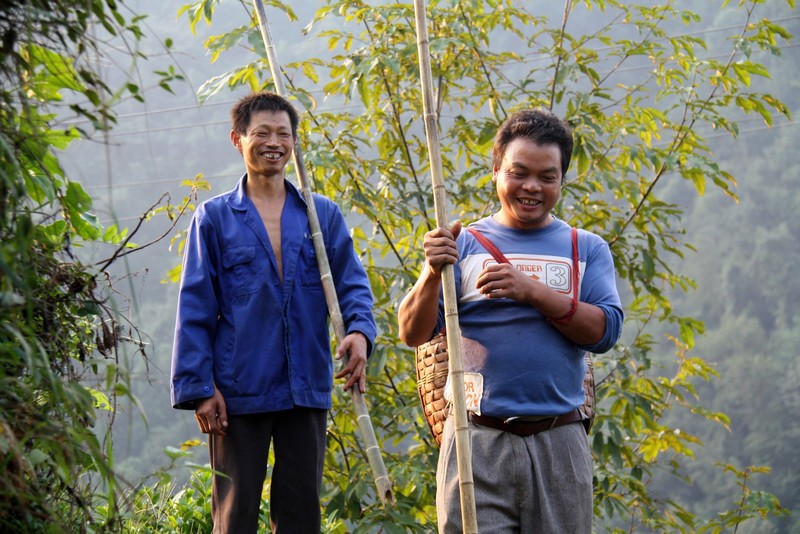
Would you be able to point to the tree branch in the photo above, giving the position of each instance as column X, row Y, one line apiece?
column 120, row 251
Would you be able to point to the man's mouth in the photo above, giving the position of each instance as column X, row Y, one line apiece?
column 529, row 201
column 272, row 155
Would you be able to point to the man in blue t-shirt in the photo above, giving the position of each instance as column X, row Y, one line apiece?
column 526, row 319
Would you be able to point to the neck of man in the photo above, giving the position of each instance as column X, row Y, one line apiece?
column 265, row 186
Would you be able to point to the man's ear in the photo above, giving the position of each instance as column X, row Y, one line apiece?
column 236, row 140
column 494, row 174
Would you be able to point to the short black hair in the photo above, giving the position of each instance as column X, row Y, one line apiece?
column 541, row 126
column 243, row 110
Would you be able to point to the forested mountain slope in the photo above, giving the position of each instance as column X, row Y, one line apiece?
column 749, row 299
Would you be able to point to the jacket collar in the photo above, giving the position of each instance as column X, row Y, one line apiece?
column 238, row 199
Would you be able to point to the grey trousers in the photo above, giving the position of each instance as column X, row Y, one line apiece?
column 541, row 484
column 240, row 458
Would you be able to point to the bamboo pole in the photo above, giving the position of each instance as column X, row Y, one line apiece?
column 371, row 447
column 466, row 485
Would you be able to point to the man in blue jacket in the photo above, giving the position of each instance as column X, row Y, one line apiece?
column 252, row 346
column 526, row 319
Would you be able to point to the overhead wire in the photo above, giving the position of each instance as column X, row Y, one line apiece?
column 529, row 58
column 220, row 177
column 147, row 114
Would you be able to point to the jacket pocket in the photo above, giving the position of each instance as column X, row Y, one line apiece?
column 241, row 269
column 308, row 267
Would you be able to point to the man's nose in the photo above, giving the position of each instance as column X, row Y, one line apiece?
column 531, row 184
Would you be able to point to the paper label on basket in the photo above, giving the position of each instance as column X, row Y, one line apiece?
column 473, row 391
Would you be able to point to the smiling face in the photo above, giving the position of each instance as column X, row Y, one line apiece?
column 528, row 181
column 267, row 144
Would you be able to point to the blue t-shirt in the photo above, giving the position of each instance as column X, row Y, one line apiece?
column 528, row 368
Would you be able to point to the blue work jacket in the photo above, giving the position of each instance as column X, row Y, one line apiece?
column 265, row 344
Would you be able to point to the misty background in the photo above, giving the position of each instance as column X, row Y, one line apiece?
column 746, row 294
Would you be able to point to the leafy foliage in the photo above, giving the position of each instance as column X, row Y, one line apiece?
column 61, row 333
column 639, row 90
column 161, row 507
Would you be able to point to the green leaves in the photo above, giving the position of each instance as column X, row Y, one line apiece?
column 641, row 91
column 59, row 329
column 51, row 72
column 76, row 205
column 198, row 11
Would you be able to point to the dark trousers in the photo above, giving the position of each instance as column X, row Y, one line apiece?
column 240, row 460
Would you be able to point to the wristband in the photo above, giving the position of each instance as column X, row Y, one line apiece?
column 565, row 319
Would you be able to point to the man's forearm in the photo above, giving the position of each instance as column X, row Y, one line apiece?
column 419, row 310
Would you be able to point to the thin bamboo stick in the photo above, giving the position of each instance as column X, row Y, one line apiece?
column 371, row 447
column 466, row 485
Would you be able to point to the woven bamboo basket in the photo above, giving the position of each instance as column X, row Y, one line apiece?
column 432, row 369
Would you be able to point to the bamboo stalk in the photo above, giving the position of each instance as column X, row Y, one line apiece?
column 466, row 485
column 371, row 447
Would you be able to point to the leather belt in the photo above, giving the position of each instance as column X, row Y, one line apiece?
column 525, row 428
